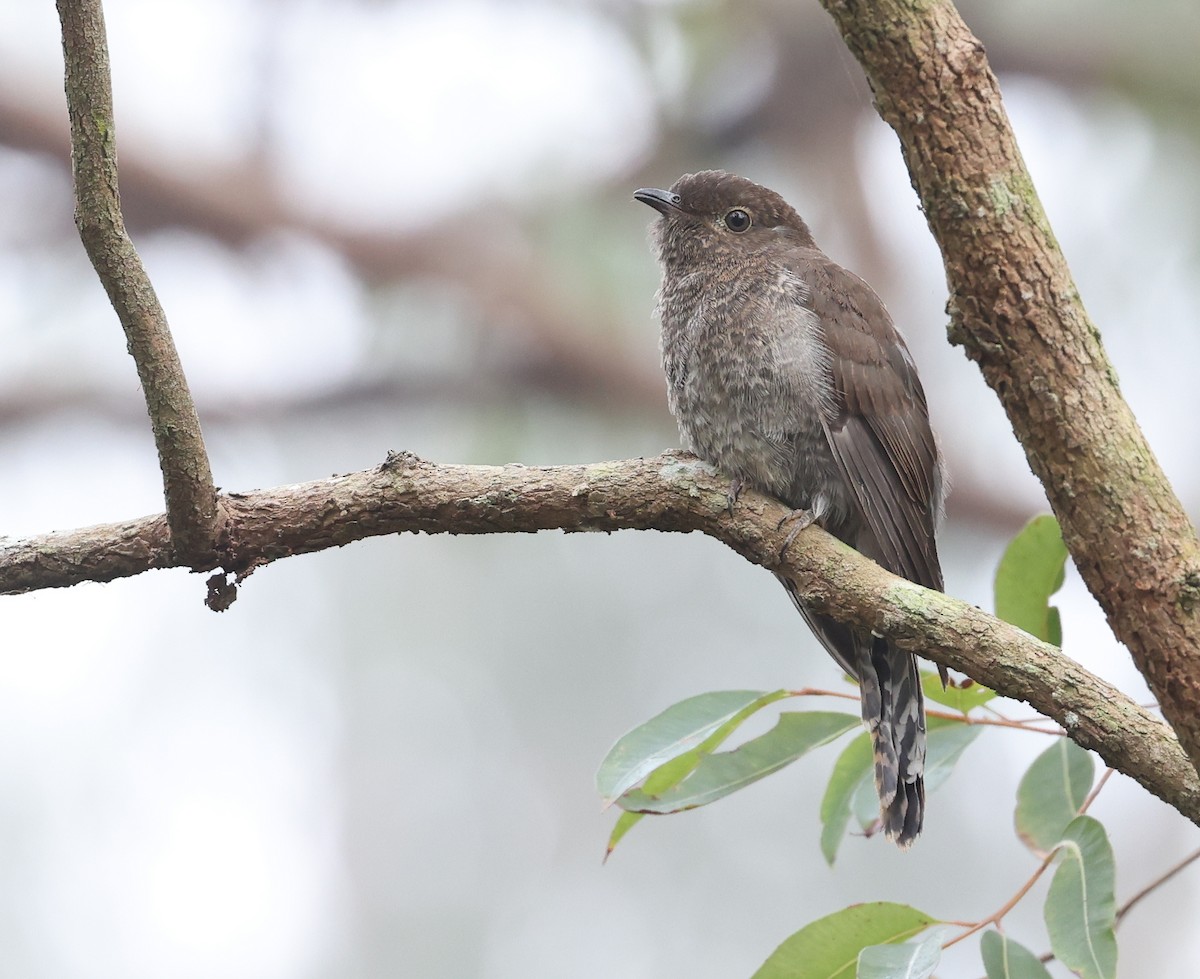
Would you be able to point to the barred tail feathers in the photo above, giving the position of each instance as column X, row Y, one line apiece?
column 893, row 710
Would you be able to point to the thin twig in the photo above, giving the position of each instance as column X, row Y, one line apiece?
column 1124, row 909
column 998, row 915
column 998, row 721
column 995, row 917
column 1020, row 721
column 994, row 722
column 1156, row 883
column 193, row 514
column 818, row 692
column 1087, row 803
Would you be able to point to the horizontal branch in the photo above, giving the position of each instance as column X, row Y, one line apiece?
column 672, row 492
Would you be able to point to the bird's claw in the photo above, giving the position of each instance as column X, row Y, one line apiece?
column 803, row 520
column 731, row 495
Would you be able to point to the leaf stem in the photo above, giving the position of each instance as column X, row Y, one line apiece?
column 1157, row 883
column 998, row 721
column 1121, row 912
column 1108, row 772
column 997, row 916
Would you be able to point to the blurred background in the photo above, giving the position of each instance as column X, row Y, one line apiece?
column 385, row 225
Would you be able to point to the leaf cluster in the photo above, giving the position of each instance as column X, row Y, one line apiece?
column 678, row 761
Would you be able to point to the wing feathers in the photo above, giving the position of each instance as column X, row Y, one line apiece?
column 878, row 425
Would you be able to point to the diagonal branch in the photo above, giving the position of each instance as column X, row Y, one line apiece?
column 1017, row 312
column 191, row 498
column 673, row 493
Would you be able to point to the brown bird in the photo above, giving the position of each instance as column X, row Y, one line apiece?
column 784, row 370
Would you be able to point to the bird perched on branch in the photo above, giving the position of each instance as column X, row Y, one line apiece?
column 784, row 370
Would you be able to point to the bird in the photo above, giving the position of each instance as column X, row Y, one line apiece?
column 785, row 372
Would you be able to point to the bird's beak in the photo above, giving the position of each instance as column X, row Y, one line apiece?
column 662, row 201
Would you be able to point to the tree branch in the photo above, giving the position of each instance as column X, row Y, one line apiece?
column 191, row 498
column 672, row 493
column 1017, row 312
column 1014, row 308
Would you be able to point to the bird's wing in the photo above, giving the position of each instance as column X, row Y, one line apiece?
column 878, row 424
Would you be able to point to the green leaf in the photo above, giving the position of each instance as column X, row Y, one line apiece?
column 718, row 775
column 1081, row 906
column 945, row 743
column 912, row 960
column 865, row 804
column 1051, row 793
column 853, row 767
column 851, row 788
column 1005, row 959
column 623, row 825
column 679, row 729
column 962, row 696
column 659, row 780
column 1030, row 571
column 828, row 948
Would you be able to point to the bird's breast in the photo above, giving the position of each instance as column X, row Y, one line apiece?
column 749, row 381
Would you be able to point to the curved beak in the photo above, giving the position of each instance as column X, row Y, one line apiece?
column 662, row 201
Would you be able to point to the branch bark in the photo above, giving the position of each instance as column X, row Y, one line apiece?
column 191, row 497
column 1017, row 313
column 674, row 493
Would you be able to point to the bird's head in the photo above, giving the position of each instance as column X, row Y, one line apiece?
column 713, row 215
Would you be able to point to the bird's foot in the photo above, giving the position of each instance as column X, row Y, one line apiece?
column 800, row 520
column 736, row 485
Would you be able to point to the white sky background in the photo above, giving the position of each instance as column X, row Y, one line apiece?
column 379, row 761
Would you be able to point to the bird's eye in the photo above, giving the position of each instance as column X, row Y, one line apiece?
column 737, row 220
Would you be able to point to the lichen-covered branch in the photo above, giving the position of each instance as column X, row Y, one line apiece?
column 1016, row 311
column 191, row 499
column 673, row 493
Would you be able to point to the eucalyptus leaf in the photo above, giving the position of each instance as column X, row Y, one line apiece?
column 851, row 789
column 679, row 729
column 852, row 769
column 962, row 696
column 912, row 960
column 945, row 742
column 1031, row 570
column 625, row 822
column 659, row 780
column 829, row 947
column 1051, row 792
column 718, row 775
column 1081, row 905
column 865, row 804
column 1005, row 959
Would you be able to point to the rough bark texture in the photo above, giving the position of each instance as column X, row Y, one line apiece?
column 1016, row 311
column 672, row 492
column 191, row 498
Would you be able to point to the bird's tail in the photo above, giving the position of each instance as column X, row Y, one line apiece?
column 893, row 709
